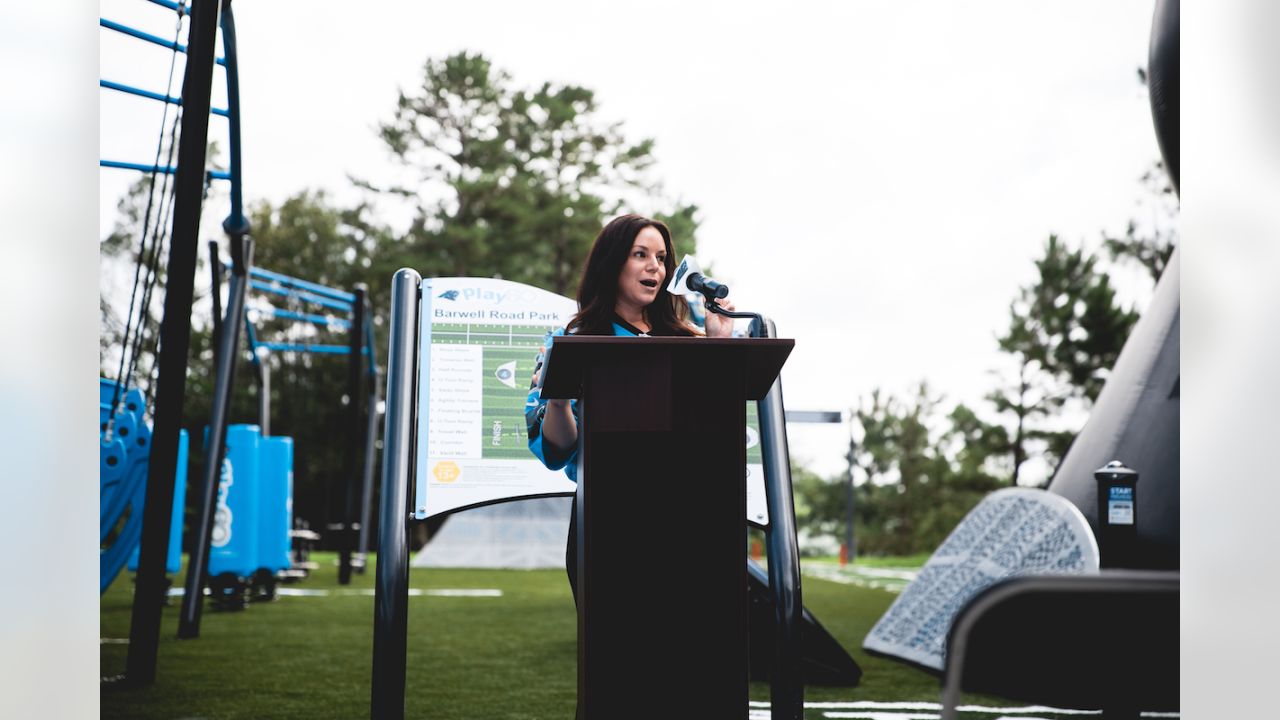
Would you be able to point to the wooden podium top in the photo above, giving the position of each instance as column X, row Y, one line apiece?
column 763, row 358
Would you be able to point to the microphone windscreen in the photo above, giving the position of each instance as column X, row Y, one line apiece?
column 679, row 284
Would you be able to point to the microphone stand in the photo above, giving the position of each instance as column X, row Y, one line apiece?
column 758, row 325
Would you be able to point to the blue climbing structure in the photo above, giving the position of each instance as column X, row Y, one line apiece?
column 177, row 179
column 124, row 456
column 312, row 310
column 125, row 432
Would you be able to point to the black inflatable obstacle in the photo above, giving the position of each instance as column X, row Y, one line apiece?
column 825, row 662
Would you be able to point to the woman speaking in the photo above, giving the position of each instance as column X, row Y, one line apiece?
column 621, row 293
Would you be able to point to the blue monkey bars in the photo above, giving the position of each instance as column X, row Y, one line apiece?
column 148, row 37
column 299, row 294
column 139, row 92
column 176, row 47
column 160, row 169
column 285, row 281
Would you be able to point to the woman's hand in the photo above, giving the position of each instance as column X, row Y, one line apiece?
column 559, row 429
column 719, row 325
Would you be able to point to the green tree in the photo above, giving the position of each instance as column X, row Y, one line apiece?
column 1065, row 332
column 919, row 471
column 512, row 182
column 820, row 503
column 1149, row 241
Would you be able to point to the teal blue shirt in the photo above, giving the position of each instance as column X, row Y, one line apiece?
column 535, row 407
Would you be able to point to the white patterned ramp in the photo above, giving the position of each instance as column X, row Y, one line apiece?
column 1014, row 531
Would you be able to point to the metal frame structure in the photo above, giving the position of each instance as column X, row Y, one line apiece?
column 362, row 381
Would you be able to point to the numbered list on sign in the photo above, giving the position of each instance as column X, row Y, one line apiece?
column 457, row 401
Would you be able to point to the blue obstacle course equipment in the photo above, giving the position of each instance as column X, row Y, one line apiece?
column 275, row 470
column 335, row 311
column 250, row 541
column 124, row 458
column 173, row 560
column 233, row 542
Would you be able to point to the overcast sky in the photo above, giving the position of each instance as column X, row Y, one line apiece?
column 876, row 177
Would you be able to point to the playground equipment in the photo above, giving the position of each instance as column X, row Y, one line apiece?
column 334, row 310
column 123, row 464
column 189, row 179
column 248, row 509
column 249, row 547
column 127, row 458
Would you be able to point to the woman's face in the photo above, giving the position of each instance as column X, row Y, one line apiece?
column 642, row 274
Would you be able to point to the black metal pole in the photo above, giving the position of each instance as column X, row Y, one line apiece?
column 370, row 441
column 786, row 684
column 215, row 294
column 850, row 548
column 355, row 435
column 175, row 341
column 235, row 224
column 224, row 379
column 391, row 592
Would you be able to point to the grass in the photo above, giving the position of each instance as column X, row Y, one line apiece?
column 509, row 657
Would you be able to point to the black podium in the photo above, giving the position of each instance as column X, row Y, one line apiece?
column 661, row 493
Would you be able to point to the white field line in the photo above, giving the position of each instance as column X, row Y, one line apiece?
column 890, row 579
column 369, row 592
column 1020, row 712
column 113, row 641
column 873, row 715
column 413, row 592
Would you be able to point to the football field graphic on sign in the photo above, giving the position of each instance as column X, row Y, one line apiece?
column 508, row 354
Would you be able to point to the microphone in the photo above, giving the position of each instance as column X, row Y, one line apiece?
column 689, row 280
column 707, row 286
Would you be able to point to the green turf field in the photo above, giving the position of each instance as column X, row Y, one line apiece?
column 509, row 656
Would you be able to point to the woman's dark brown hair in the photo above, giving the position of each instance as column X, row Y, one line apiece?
column 598, row 291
